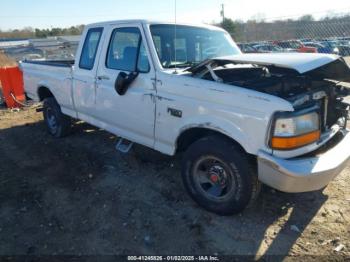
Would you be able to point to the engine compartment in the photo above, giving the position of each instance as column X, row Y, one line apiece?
column 302, row 91
column 261, row 79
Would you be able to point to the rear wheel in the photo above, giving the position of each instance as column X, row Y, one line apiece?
column 58, row 124
column 218, row 175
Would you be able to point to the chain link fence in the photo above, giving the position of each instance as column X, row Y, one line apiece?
column 284, row 30
column 326, row 35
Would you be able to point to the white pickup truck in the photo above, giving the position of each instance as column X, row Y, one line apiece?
column 241, row 119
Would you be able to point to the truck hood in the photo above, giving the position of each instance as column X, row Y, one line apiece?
column 322, row 66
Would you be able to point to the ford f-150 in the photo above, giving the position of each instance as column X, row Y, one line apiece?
column 240, row 119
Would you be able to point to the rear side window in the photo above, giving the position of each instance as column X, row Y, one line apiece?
column 126, row 51
column 88, row 54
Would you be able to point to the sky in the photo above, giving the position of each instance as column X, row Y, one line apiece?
column 17, row 14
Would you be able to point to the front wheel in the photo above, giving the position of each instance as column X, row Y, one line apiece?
column 218, row 175
column 58, row 124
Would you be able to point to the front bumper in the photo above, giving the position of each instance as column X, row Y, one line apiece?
column 304, row 174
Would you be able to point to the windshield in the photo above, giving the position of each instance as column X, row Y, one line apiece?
column 191, row 45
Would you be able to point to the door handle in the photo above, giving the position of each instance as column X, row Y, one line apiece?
column 103, row 78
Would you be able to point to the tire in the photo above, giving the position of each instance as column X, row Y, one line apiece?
column 2, row 100
column 58, row 124
column 218, row 175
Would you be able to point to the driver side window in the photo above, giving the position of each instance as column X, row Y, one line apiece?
column 126, row 51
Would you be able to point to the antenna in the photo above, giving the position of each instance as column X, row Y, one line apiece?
column 175, row 32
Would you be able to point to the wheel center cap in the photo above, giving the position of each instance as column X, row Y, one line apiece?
column 214, row 178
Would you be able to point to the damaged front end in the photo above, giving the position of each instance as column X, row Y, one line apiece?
column 307, row 81
column 310, row 145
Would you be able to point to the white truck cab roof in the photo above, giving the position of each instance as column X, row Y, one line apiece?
column 151, row 22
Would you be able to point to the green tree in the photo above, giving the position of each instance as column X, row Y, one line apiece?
column 229, row 25
column 73, row 30
column 306, row 18
column 40, row 33
column 56, row 32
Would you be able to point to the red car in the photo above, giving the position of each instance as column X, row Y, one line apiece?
column 296, row 45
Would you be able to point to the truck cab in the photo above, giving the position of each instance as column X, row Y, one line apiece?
column 240, row 119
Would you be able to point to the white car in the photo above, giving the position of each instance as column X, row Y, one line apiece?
column 241, row 119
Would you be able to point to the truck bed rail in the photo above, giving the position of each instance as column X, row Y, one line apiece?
column 60, row 63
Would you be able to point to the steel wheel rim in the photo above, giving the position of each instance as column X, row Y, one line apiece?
column 51, row 120
column 214, row 178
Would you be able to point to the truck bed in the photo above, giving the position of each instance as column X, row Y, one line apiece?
column 51, row 74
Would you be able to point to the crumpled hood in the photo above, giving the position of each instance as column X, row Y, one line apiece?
column 324, row 66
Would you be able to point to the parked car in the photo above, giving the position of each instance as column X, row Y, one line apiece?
column 247, row 48
column 295, row 45
column 331, row 45
column 240, row 119
column 337, row 48
column 320, row 48
column 268, row 48
column 343, row 50
column 344, row 42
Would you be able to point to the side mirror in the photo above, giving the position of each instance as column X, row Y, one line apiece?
column 123, row 82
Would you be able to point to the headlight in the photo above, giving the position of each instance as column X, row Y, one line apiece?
column 294, row 132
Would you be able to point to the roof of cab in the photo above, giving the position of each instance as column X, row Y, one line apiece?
column 150, row 22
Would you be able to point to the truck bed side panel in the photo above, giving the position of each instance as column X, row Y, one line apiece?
column 58, row 79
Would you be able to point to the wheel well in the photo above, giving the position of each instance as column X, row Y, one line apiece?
column 192, row 135
column 44, row 92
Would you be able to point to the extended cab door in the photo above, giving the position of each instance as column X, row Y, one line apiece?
column 131, row 115
column 84, row 76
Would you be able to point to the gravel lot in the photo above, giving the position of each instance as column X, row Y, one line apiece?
column 78, row 196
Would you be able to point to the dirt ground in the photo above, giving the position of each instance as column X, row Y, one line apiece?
column 78, row 196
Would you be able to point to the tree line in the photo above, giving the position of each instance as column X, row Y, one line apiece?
column 305, row 26
column 29, row 32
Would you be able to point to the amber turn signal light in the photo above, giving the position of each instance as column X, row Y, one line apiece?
column 288, row 143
